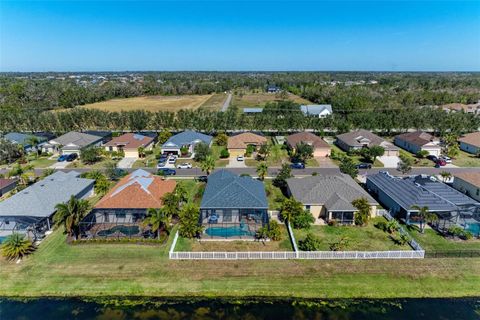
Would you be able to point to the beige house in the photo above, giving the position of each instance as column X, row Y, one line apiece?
column 237, row 145
column 417, row 141
column 129, row 143
column 470, row 142
column 468, row 183
column 329, row 197
column 320, row 147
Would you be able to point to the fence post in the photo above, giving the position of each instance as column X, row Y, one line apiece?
column 174, row 243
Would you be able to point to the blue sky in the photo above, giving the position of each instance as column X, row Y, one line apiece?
column 247, row 35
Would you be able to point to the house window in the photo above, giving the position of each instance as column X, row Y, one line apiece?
column 307, row 207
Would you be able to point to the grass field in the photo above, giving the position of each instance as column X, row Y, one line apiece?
column 161, row 103
column 252, row 99
column 360, row 238
column 58, row 269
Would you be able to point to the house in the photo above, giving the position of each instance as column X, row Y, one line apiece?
column 330, row 197
column 317, row 110
column 106, row 135
column 24, row 139
column 400, row 195
column 7, row 185
column 468, row 183
column 129, row 144
column 473, row 108
column 470, row 142
column 31, row 210
column 417, row 141
column 320, row 147
column 237, row 145
column 233, row 206
column 359, row 139
column 273, row 88
column 187, row 139
column 121, row 211
column 252, row 110
column 72, row 142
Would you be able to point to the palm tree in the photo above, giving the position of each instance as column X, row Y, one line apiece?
column 445, row 175
column 424, row 216
column 262, row 170
column 16, row 246
column 171, row 203
column 33, row 141
column 157, row 219
column 363, row 211
column 23, row 173
column 70, row 214
column 208, row 165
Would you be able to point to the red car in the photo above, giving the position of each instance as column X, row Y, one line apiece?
column 441, row 162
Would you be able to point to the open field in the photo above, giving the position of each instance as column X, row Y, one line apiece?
column 58, row 269
column 260, row 99
column 359, row 238
column 161, row 103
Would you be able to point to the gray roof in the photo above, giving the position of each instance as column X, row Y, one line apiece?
column 362, row 138
column 336, row 191
column 315, row 109
column 40, row 199
column 74, row 139
column 187, row 138
column 227, row 190
column 252, row 110
column 22, row 138
column 407, row 193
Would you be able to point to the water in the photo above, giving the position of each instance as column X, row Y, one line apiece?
column 226, row 232
column 474, row 228
column 2, row 239
column 445, row 309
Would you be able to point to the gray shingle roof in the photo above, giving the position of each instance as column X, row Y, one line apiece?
column 40, row 199
column 363, row 137
column 335, row 191
column 187, row 138
column 406, row 193
column 76, row 139
column 22, row 138
column 227, row 190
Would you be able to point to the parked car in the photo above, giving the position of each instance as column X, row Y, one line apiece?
column 71, row 157
column 240, row 158
column 432, row 158
column 441, row 162
column 161, row 164
column 62, row 158
column 172, row 160
column 446, row 159
column 202, row 179
column 363, row 166
column 297, row 165
column 166, row 172
column 163, row 158
column 185, row 165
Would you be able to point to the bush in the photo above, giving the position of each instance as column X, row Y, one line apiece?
column 250, row 150
column 16, row 246
column 303, row 220
column 310, row 243
column 224, row 154
column 382, row 225
column 271, row 231
column 340, row 245
column 457, row 231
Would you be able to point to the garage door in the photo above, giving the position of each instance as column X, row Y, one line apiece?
column 236, row 152
column 131, row 154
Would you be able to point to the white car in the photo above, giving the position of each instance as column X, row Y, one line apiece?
column 240, row 158
column 172, row 160
column 161, row 165
column 447, row 159
column 185, row 165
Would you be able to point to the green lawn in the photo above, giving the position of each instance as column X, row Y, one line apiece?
column 417, row 162
column 360, row 238
column 98, row 165
column 356, row 159
column 58, row 269
column 465, row 159
column 194, row 189
column 274, row 195
column 41, row 162
column 433, row 241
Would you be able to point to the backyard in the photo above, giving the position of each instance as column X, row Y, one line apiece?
column 359, row 238
column 433, row 241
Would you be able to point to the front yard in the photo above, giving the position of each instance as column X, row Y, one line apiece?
column 274, row 195
column 368, row 238
column 356, row 158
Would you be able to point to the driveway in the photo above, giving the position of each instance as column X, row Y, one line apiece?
column 234, row 163
column 227, row 102
column 324, row 162
column 389, row 161
column 126, row 163
column 60, row 165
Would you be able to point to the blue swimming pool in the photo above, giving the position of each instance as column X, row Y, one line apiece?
column 473, row 228
column 2, row 239
column 227, row 232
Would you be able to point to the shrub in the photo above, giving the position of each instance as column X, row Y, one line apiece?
column 271, row 231
column 222, row 139
column 382, row 225
column 457, row 231
column 16, row 246
column 340, row 245
column 224, row 154
column 310, row 243
column 332, row 223
column 303, row 220
column 250, row 150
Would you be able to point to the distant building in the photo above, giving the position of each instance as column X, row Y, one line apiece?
column 359, row 139
column 252, row 110
column 417, row 141
column 317, row 110
column 273, row 88
column 470, row 142
column 473, row 108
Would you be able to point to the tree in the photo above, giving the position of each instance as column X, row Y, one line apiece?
column 348, row 167
column 164, row 136
column 222, row 139
column 16, row 246
column 101, row 183
column 376, row 151
column 158, row 220
column 33, row 142
column 285, row 173
column 405, row 164
column 189, row 221
column 422, row 154
column 310, row 243
column 208, row 164
column 224, row 154
column 111, row 170
column 262, row 170
column 453, row 150
column 271, row 231
column 171, row 203
column 445, row 175
column 22, row 172
column 303, row 152
column 202, row 150
column 70, row 214
column 141, row 152
column 90, row 155
column 362, row 215
column 10, row 152
column 290, row 210
column 303, row 220
column 263, row 151
column 424, row 216
column 47, row 172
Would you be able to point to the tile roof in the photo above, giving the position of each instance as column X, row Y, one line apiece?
column 40, row 199
column 308, row 138
column 335, row 191
column 406, row 193
column 242, row 140
column 471, row 138
column 471, row 177
column 187, row 138
column 130, row 141
column 362, row 137
column 76, row 139
column 418, row 138
column 6, row 182
column 227, row 190
column 138, row 190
